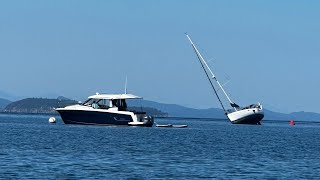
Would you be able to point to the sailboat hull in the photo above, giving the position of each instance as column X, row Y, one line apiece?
column 252, row 119
column 246, row 116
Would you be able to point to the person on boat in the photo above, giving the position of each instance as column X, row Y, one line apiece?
column 114, row 102
column 95, row 105
column 123, row 105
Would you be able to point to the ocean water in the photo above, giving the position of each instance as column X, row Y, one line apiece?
column 31, row 148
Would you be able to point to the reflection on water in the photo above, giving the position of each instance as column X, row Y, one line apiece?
column 33, row 148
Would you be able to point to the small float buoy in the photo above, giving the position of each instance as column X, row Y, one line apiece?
column 292, row 122
column 52, row 120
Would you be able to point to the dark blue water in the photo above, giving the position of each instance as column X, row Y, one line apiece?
column 33, row 148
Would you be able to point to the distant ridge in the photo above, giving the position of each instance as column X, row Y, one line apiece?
column 44, row 105
column 305, row 116
column 8, row 96
column 174, row 110
column 4, row 103
column 62, row 98
column 37, row 105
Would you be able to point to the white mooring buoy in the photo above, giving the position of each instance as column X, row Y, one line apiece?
column 52, row 120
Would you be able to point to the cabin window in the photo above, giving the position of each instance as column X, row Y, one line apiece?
column 88, row 102
column 120, row 103
column 103, row 102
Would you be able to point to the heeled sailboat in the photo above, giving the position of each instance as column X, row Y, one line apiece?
column 251, row 114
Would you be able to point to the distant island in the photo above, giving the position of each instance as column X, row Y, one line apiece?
column 48, row 106
column 37, row 105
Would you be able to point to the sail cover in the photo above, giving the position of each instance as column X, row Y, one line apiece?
column 234, row 105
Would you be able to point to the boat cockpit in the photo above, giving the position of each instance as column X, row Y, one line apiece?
column 120, row 104
column 238, row 108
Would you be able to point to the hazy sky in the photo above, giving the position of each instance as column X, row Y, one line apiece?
column 267, row 51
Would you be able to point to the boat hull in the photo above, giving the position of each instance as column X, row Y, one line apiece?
column 94, row 117
column 246, row 116
column 251, row 119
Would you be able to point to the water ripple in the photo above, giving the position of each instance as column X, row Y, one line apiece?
column 31, row 148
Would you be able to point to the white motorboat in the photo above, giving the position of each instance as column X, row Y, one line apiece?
column 251, row 114
column 105, row 109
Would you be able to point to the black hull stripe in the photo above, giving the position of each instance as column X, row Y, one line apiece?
column 94, row 118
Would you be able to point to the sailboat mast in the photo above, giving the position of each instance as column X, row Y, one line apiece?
column 203, row 62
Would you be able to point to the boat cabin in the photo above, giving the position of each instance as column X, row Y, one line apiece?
column 109, row 101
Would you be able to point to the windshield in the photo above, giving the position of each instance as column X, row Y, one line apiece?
column 88, row 102
column 100, row 102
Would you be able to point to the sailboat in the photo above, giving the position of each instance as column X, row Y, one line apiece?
column 251, row 114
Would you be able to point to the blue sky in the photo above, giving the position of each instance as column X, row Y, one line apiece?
column 270, row 50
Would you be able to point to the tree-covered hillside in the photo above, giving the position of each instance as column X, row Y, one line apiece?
column 37, row 105
column 43, row 105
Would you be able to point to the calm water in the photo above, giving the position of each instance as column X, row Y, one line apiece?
column 33, row 148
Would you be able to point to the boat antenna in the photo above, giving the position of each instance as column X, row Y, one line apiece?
column 203, row 64
column 125, row 85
